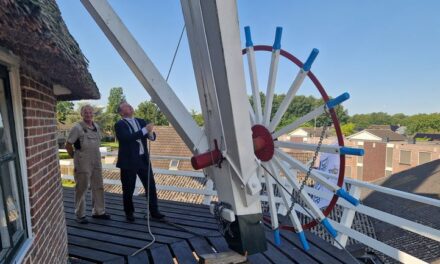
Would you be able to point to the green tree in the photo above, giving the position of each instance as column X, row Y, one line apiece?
column 348, row 129
column 115, row 98
column 198, row 117
column 150, row 111
column 64, row 109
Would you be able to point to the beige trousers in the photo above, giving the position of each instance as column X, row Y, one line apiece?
column 88, row 173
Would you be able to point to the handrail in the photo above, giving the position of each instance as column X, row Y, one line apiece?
column 386, row 190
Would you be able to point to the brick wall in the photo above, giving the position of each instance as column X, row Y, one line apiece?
column 374, row 161
column 415, row 149
column 45, row 190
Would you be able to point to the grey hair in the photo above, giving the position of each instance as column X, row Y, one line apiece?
column 84, row 107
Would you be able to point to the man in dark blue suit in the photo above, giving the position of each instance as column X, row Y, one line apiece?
column 133, row 159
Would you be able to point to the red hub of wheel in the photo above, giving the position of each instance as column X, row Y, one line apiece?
column 263, row 143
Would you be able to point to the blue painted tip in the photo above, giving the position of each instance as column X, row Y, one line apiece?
column 276, row 237
column 329, row 227
column 344, row 194
column 303, row 240
column 247, row 34
column 338, row 100
column 351, row 151
column 277, row 43
column 310, row 60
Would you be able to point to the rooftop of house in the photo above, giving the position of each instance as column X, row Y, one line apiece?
column 386, row 135
column 386, row 127
column 35, row 31
column 422, row 180
column 316, row 131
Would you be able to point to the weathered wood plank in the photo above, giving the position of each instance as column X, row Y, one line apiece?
column 183, row 252
column 219, row 244
column 336, row 253
column 108, row 247
column 276, row 256
column 258, row 259
column 93, row 255
column 140, row 258
column 200, row 245
column 115, row 239
column 161, row 230
column 290, row 249
column 161, row 254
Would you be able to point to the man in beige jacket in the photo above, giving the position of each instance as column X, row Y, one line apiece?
column 83, row 145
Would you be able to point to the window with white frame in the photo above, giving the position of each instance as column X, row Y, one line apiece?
column 12, row 214
column 424, row 157
column 389, row 157
column 174, row 165
column 405, row 157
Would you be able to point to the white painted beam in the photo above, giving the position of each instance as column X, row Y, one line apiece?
column 147, row 74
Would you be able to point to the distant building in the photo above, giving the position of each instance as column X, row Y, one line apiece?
column 304, row 134
column 377, row 135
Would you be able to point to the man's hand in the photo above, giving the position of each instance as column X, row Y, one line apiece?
column 69, row 148
column 149, row 127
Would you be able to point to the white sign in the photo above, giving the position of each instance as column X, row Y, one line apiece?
column 327, row 163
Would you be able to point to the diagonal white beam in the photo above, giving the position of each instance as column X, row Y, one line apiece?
column 298, row 122
column 147, row 74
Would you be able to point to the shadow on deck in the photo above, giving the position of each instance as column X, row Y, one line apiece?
column 113, row 241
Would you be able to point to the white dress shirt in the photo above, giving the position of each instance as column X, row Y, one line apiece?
column 136, row 127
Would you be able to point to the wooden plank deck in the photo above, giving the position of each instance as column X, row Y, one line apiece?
column 114, row 241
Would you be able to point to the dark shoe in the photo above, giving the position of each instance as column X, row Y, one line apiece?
column 82, row 220
column 157, row 215
column 130, row 218
column 102, row 216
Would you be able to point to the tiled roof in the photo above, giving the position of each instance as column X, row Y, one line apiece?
column 386, row 135
column 422, row 180
column 386, row 127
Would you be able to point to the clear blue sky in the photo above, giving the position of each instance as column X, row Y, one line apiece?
column 384, row 53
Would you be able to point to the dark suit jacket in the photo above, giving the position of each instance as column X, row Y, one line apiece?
column 128, row 153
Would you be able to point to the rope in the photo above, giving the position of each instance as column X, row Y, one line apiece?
column 175, row 53
column 148, row 206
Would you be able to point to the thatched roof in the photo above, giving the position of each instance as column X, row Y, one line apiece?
column 35, row 31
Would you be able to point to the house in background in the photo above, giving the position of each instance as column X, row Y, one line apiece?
column 377, row 135
column 309, row 134
column 40, row 63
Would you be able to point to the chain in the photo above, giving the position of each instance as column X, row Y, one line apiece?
column 223, row 225
column 315, row 156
